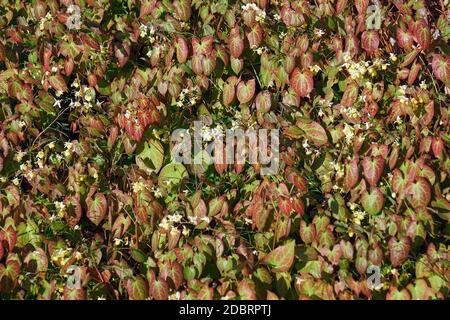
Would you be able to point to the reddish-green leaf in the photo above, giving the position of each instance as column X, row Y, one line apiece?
column 263, row 101
column 159, row 290
column 372, row 201
column 235, row 42
column 245, row 91
column 281, row 259
column 422, row 34
column 351, row 174
column 313, row 131
column 399, row 250
column 307, row 232
column 136, row 288
column 350, row 94
column 419, row 192
column 302, row 82
column 441, row 67
column 97, row 207
column 373, row 169
column 181, row 49
column 58, row 83
column 370, row 40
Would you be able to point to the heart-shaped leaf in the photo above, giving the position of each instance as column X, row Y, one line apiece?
column 399, row 250
column 182, row 49
column 370, row 40
column 419, row 192
column 97, row 207
column 255, row 36
column 58, row 83
column 373, row 169
column 405, row 39
column 159, row 290
column 441, row 67
column 136, row 288
column 351, row 174
column 263, row 102
column 301, row 82
column 171, row 174
column 246, row 289
column 246, row 90
column 307, row 232
column 422, row 34
column 372, row 201
column 235, row 42
column 313, row 131
column 281, row 258
column 150, row 156
column 229, row 92
column 350, row 94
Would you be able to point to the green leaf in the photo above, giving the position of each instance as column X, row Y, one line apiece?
column 171, row 174
column 151, row 156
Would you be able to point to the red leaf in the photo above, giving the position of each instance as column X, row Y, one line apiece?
column 73, row 293
column 419, row 192
column 373, row 169
column 399, row 250
column 176, row 274
column 437, row 146
column 441, row 67
column 263, row 101
column 255, row 36
column 235, row 43
column 202, row 46
column 97, row 208
column 68, row 66
column 209, row 64
column 404, row 39
column 147, row 7
column 246, row 90
column 340, row 6
column 246, row 289
column 291, row 18
column 361, row 6
column 370, row 40
column 196, row 63
column 73, row 210
column 182, row 49
column 302, row 82
column 183, row 9
column 313, row 131
column 258, row 213
column 351, row 174
column 293, row 176
column 159, row 290
column 10, row 236
column 422, row 34
column 350, row 94
column 122, row 53
column 136, row 288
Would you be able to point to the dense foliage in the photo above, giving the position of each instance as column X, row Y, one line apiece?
column 91, row 91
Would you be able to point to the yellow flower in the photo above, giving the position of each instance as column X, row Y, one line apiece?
column 350, row 232
column 315, row 69
column 393, row 57
column 423, row 85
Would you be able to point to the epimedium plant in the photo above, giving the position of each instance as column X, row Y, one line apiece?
column 92, row 90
